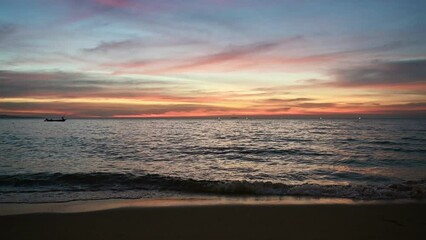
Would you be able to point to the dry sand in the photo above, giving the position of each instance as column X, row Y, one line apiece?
column 308, row 221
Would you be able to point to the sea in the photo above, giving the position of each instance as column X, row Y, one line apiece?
column 87, row 159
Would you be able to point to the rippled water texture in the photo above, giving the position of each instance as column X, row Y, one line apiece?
column 281, row 151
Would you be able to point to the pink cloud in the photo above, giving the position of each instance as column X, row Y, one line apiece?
column 250, row 56
column 114, row 3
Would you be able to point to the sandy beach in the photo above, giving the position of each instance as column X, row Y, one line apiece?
column 225, row 221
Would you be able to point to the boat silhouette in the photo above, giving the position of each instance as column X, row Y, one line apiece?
column 62, row 119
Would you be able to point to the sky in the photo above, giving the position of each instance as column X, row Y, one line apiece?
column 180, row 58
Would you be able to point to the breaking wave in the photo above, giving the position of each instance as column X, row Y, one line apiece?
column 51, row 182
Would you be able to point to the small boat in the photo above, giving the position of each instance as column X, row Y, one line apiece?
column 62, row 119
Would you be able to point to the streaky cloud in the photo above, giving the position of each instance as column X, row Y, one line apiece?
column 249, row 57
column 279, row 100
column 104, row 47
column 400, row 73
column 129, row 45
column 114, row 3
column 105, row 109
column 74, row 85
column 6, row 30
column 230, row 54
column 332, row 56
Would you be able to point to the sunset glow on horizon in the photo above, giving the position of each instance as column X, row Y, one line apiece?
column 176, row 58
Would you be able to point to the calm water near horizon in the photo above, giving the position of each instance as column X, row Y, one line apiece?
column 143, row 158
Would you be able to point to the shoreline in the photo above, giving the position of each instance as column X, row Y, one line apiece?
column 79, row 206
column 207, row 219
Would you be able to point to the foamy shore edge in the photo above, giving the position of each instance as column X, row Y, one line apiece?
column 79, row 206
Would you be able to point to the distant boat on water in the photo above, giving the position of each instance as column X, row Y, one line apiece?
column 62, row 119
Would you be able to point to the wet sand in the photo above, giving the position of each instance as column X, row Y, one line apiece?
column 226, row 221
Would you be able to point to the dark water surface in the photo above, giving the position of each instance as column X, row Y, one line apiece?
column 98, row 159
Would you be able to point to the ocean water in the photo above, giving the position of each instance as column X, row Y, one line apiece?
column 102, row 159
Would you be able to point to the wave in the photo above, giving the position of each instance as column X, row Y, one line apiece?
column 249, row 151
column 48, row 182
